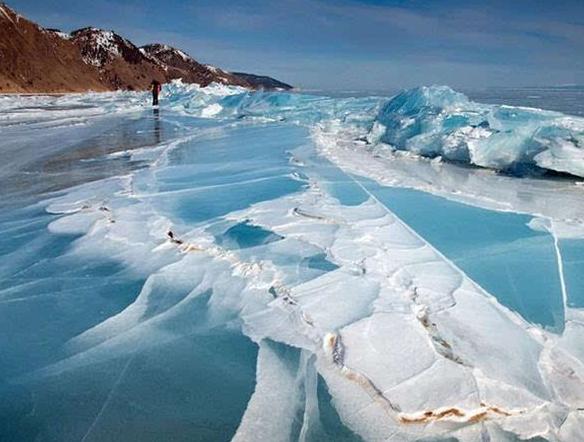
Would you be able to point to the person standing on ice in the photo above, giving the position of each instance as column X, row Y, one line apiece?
column 155, row 87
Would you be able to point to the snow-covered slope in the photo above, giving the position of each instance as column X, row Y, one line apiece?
column 121, row 64
column 177, row 64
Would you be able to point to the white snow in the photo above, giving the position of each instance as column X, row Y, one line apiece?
column 104, row 43
column 64, row 35
column 184, row 56
column 5, row 14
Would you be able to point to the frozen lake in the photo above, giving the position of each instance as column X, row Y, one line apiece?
column 274, row 266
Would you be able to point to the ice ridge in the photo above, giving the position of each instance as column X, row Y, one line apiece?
column 437, row 121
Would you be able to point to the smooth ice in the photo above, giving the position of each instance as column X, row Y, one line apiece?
column 265, row 266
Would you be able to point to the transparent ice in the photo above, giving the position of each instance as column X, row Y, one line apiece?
column 276, row 266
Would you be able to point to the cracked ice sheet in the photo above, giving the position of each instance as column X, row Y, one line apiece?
column 416, row 333
column 429, row 328
column 559, row 200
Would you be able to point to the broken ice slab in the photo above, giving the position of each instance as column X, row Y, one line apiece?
column 497, row 250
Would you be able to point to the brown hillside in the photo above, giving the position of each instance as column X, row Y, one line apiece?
column 180, row 65
column 33, row 59
column 38, row 60
column 121, row 64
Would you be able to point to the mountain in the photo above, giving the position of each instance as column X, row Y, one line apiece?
column 178, row 64
column 262, row 82
column 120, row 63
column 34, row 59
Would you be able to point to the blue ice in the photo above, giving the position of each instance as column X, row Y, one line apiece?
column 438, row 121
column 127, row 335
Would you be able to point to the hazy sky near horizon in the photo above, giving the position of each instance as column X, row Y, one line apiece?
column 352, row 44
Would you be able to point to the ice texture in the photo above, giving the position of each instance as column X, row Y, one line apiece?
column 259, row 266
column 437, row 121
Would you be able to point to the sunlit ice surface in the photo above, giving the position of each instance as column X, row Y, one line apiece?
column 276, row 266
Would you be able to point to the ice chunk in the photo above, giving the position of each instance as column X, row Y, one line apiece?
column 437, row 121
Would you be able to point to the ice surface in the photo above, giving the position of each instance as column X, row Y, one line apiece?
column 497, row 250
column 437, row 121
column 258, row 266
column 277, row 394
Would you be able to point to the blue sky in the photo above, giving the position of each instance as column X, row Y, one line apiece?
column 352, row 44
